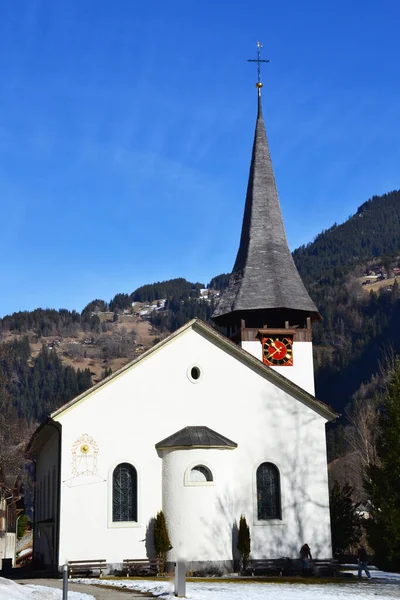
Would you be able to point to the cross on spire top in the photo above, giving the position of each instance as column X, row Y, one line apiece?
column 258, row 60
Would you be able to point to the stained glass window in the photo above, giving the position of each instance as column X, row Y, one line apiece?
column 124, row 493
column 268, row 492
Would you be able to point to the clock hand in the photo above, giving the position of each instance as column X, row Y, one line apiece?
column 276, row 348
column 273, row 353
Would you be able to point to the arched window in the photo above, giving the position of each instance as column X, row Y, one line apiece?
column 268, row 492
column 200, row 474
column 124, row 501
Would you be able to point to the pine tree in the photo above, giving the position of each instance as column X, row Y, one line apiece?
column 162, row 543
column 107, row 372
column 243, row 543
column 345, row 522
column 382, row 482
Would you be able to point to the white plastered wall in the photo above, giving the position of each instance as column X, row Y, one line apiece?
column 155, row 398
column 7, row 539
column 302, row 370
column 200, row 515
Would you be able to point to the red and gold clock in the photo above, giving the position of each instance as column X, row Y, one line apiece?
column 277, row 350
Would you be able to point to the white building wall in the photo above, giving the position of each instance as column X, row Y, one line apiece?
column 7, row 546
column 200, row 516
column 155, row 398
column 302, row 370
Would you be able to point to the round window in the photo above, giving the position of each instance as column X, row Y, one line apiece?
column 194, row 373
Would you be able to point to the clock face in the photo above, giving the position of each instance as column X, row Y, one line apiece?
column 277, row 351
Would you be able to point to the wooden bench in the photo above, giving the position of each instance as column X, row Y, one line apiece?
column 325, row 568
column 86, row 567
column 140, row 566
column 293, row 567
column 264, row 566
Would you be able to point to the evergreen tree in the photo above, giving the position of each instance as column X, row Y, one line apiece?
column 22, row 525
column 382, row 482
column 220, row 282
column 345, row 522
column 179, row 289
column 243, row 543
column 36, row 388
column 162, row 543
column 120, row 302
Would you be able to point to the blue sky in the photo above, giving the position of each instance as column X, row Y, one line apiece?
column 126, row 130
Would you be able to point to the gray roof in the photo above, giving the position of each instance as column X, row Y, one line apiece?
column 196, row 437
column 264, row 275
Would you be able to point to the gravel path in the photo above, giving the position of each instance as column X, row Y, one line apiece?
column 100, row 593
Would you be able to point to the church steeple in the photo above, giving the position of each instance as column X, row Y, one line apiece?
column 265, row 286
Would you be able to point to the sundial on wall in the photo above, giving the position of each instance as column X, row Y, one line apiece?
column 84, row 462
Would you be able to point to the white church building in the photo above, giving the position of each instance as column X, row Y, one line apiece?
column 204, row 426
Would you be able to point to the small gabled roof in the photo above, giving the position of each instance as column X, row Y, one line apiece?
column 196, row 437
column 226, row 344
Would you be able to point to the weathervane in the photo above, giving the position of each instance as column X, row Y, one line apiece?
column 258, row 60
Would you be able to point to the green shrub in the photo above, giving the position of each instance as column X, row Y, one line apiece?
column 162, row 542
column 243, row 543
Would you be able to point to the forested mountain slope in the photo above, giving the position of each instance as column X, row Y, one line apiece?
column 358, row 324
column 373, row 231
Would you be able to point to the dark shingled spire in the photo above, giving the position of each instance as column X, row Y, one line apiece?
column 264, row 279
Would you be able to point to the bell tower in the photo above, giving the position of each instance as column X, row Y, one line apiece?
column 266, row 309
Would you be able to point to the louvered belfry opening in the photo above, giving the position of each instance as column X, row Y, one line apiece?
column 265, row 286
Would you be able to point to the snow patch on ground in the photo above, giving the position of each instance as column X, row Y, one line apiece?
column 384, row 586
column 9, row 590
column 381, row 589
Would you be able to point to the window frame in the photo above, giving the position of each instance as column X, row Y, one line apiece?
column 268, row 522
column 122, row 524
column 198, row 463
column 198, row 366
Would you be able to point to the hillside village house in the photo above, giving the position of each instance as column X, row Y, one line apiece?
column 7, row 537
column 11, row 505
column 205, row 426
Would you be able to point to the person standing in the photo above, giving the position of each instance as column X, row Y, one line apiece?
column 362, row 562
column 305, row 557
